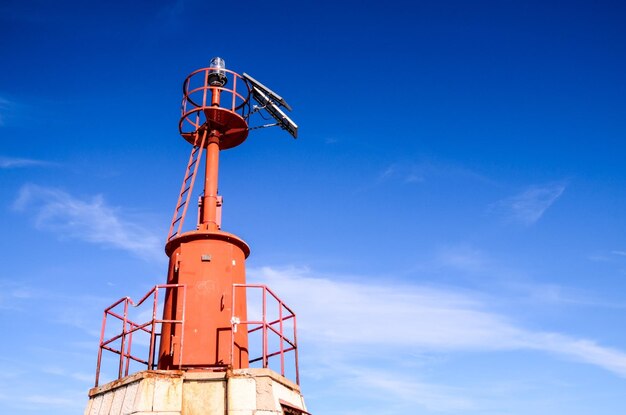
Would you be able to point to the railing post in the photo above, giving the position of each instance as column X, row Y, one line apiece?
column 232, row 326
column 151, row 350
column 265, row 359
column 123, row 340
column 128, row 347
column 282, row 352
column 182, row 324
column 295, row 349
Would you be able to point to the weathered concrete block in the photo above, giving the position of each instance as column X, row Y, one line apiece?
column 118, row 401
column 265, row 394
column 107, row 400
column 204, row 397
column 241, row 394
column 95, row 405
column 129, row 398
column 145, row 396
column 168, row 394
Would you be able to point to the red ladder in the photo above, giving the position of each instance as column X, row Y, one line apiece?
column 187, row 187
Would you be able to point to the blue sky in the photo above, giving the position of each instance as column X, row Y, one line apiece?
column 449, row 225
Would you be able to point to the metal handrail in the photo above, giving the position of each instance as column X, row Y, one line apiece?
column 268, row 327
column 197, row 93
column 129, row 327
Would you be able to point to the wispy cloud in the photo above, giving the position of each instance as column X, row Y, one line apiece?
column 13, row 295
column 27, row 389
column 401, row 172
column 404, row 390
column 418, row 172
column 529, row 206
column 90, row 220
column 16, row 162
column 463, row 258
column 430, row 319
column 5, row 106
column 63, row 372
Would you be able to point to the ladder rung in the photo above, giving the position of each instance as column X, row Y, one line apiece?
column 179, row 218
column 181, row 205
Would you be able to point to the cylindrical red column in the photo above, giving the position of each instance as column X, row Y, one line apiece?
column 208, row 263
column 208, row 214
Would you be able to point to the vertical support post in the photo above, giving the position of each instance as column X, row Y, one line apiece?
column 155, row 300
column 128, row 347
column 265, row 360
column 209, row 200
column 215, row 96
column 123, row 342
column 282, row 348
column 182, row 326
column 295, row 342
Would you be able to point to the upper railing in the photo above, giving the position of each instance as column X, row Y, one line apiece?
column 199, row 95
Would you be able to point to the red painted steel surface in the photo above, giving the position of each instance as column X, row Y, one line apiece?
column 207, row 260
column 208, row 263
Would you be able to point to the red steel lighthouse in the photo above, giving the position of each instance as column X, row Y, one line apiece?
column 198, row 347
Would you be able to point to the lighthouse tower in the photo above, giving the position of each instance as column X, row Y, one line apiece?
column 198, row 352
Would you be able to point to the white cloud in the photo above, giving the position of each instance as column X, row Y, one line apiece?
column 15, row 162
column 90, row 220
column 371, row 316
column 529, row 206
column 368, row 339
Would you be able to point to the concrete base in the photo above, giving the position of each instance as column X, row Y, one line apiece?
column 169, row 392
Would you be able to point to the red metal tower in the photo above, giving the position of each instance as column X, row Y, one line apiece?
column 203, row 356
column 204, row 324
column 199, row 346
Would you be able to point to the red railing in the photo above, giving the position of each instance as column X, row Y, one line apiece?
column 198, row 95
column 121, row 342
column 276, row 326
column 273, row 326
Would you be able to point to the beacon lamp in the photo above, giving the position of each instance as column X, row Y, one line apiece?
column 217, row 75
